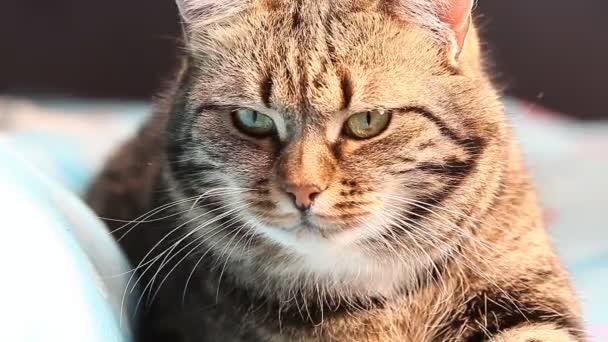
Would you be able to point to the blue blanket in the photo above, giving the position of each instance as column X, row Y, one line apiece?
column 63, row 276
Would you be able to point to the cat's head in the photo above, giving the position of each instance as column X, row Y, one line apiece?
column 334, row 129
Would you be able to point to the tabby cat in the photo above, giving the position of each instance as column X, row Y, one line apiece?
column 333, row 171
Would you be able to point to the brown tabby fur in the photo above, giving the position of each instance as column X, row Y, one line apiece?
column 438, row 208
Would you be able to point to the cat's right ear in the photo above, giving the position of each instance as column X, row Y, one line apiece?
column 197, row 13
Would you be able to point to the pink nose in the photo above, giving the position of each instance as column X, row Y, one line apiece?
column 303, row 195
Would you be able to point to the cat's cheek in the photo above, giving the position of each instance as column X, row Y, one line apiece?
column 355, row 152
column 251, row 163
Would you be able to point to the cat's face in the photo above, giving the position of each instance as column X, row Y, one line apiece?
column 345, row 127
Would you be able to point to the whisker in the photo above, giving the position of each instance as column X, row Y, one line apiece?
column 228, row 258
column 169, row 250
column 183, row 225
column 198, row 262
column 148, row 214
column 471, row 265
column 167, row 206
column 204, row 237
column 143, row 261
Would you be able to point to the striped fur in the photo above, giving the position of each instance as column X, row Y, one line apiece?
column 428, row 232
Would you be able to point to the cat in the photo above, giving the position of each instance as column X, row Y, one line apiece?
column 333, row 171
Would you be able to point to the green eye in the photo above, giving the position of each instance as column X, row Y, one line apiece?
column 253, row 123
column 367, row 125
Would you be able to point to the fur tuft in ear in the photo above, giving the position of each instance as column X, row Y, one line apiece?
column 196, row 13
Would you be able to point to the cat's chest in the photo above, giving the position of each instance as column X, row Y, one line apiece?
column 420, row 322
column 214, row 311
column 424, row 320
column 373, row 327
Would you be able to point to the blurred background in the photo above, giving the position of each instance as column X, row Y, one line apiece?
column 77, row 77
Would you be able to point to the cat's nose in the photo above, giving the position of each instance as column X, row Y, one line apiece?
column 303, row 196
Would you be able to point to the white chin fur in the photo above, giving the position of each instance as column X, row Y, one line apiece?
column 341, row 262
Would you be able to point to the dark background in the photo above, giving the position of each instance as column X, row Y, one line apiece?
column 554, row 52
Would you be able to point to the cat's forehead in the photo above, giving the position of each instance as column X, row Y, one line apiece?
column 313, row 62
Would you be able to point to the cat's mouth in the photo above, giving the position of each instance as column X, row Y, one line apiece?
column 324, row 225
column 316, row 219
column 306, row 221
column 292, row 221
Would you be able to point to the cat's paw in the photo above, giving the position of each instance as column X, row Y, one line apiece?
column 536, row 333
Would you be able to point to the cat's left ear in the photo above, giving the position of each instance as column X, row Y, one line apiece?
column 456, row 14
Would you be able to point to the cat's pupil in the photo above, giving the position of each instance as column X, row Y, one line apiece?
column 255, row 117
column 369, row 118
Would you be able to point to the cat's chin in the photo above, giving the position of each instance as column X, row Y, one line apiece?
column 316, row 226
column 307, row 231
column 304, row 238
column 306, row 234
column 337, row 260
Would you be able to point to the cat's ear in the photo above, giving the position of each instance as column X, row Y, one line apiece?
column 449, row 18
column 456, row 14
column 201, row 12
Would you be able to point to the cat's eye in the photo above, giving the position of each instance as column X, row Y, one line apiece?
column 253, row 123
column 367, row 125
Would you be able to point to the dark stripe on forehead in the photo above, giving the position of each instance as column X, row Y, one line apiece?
column 272, row 5
column 266, row 90
column 301, row 73
column 303, row 83
column 331, row 49
column 346, row 84
column 296, row 16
